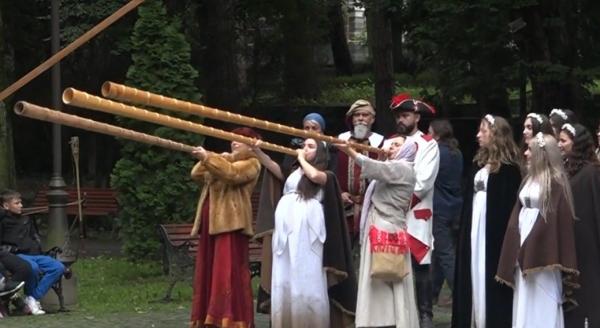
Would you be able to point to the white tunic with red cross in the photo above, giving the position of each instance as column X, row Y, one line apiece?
column 420, row 215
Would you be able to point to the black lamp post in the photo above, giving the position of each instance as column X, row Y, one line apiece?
column 57, row 196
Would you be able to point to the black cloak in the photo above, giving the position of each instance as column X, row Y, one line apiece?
column 586, row 201
column 502, row 190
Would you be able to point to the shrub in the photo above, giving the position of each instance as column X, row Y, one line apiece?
column 153, row 184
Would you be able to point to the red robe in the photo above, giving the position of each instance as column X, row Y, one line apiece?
column 348, row 175
column 222, row 291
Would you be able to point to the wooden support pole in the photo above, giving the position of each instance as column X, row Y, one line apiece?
column 69, row 48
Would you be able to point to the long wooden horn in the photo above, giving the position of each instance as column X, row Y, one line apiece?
column 85, row 100
column 57, row 57
column 26, row 109
column 124, row 93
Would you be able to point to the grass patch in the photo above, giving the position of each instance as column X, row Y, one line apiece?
column 116, row 285
column 111, row 285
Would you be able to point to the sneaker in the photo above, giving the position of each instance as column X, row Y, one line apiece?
column 17, row 301
column 33, row 306
column 11, row 287
column 3, row 310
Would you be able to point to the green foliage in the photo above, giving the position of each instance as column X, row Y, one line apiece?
column 465, row 46
column 346, row 89
column 153, row 184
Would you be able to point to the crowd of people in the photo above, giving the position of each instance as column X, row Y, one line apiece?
column 368, row 239
column 357, row 238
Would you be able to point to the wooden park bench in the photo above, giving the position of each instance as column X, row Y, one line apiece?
column 95, row 202
column 179, row 251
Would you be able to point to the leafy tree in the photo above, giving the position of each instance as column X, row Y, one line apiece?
column 7, row 166
column 466, row 48
column 301, row 26
column 153, row 184
column 105, row 57
column 558, row 43
column 220, row 56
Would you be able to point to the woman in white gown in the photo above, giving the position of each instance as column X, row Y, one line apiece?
column 479, row 300
column 299, row 281
column 538, row 253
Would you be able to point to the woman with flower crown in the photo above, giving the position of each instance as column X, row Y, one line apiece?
column 533, row 124
column 478, row 300
column 538, row 254
column 559, row 117
column 583, row 167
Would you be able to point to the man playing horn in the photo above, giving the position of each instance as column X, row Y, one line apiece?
column 360, row 117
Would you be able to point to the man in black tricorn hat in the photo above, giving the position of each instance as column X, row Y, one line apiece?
column 407, row 113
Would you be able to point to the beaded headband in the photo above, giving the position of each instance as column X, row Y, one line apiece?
column 536, row 116
column 560, row 113
column 490, row 119
column 569, row 128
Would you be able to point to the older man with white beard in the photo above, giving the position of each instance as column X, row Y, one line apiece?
column 360, row 117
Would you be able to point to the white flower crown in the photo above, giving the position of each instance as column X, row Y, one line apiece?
column 539, row 137
column 536, row 116
column 560, row 113
column 569, row 128
column 490, row 119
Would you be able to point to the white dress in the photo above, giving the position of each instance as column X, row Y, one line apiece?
column 537, row 300
column 478, row 247
column 299, row 282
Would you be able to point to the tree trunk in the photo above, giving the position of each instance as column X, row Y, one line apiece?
column 220, row 70
column 299, row 74
column 339, row 42
column 548, row 47
column 379, row 36
column 220, row 64
column 401, row 65
column 7, row 158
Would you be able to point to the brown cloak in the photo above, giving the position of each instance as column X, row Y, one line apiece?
column 549, row 245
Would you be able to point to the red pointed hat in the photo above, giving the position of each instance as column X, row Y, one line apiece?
column 403, row 102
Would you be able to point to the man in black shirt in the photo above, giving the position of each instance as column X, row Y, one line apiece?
column 18, row 233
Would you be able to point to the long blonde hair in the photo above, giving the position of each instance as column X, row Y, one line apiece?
column 546, row 166
column 502, row 148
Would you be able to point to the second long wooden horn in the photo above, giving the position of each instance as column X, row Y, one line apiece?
column 124, row 93
column 82, row 99
column 26, row 109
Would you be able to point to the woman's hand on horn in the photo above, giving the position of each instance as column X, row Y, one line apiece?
column 256, row 145
column 300, row 154
column 345, row 147
column 199, row 153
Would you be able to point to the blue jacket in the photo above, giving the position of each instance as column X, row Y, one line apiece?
column 447, row 195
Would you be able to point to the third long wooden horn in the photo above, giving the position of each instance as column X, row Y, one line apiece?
column 82, row 99
column 124, row 93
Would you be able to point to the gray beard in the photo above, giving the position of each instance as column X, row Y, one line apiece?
column 360, row 131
